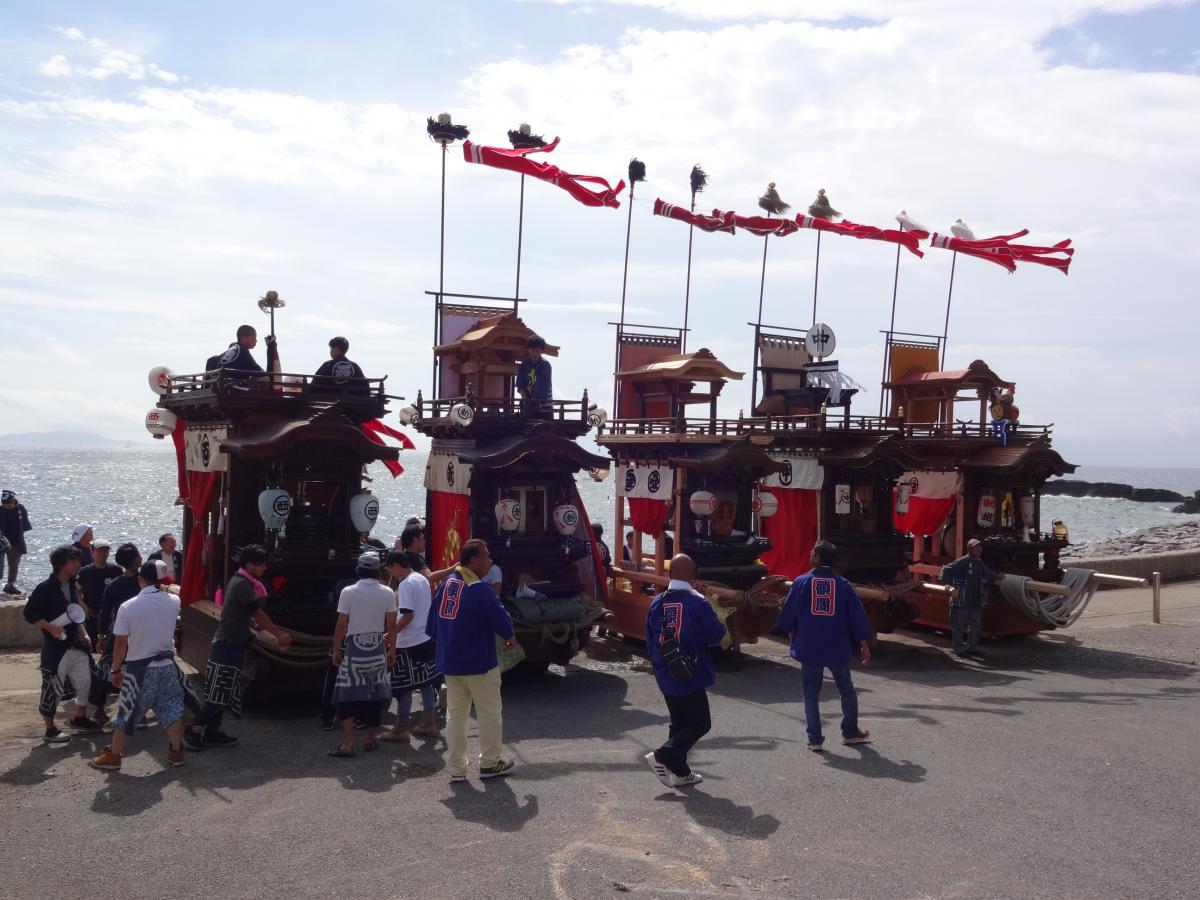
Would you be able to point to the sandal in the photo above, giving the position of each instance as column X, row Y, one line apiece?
column 374, row 745
column 342, row 752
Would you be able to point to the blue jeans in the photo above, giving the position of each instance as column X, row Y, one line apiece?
column 811, row 676
column 404, row 701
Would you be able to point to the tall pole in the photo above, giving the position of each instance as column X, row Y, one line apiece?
column 816, row 277
column 762, row 286
column 520, row 230
column 887, row 344
column 624, row 285
column 437, row 308
column 949, row 294
column 687, row 289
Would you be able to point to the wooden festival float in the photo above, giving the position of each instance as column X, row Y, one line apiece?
column 279, row 460
column 496, row 472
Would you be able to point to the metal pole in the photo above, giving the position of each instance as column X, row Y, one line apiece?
column 949, row 294
column 437, row 307
column 1156, row 584
column 520, row 231
column 624, row 284
column 687, row 290
column 816, row 277
column 762, row 285
column 887, row 344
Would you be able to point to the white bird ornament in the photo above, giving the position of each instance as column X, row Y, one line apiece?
column 908, row 223
column 960, row 229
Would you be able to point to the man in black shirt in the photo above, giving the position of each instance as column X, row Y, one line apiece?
column 168, row 553
column 65, row 663
column 94, row 579
column 339, row 375
column 533, row 381
column 124, row 587
column 237, row 357
column 14, row 522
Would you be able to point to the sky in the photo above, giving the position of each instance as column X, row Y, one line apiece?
column 163, row 165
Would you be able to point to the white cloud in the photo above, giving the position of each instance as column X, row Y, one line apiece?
column 55, row 67
column 156, row 208
column 71, row 34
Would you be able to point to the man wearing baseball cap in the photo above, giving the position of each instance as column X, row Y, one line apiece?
column 14, row 522
column 93, row 579
column 973, row 578
column 81, row 540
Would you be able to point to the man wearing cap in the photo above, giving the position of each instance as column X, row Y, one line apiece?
column 534, row 381
column 973, row 578
column 168, row 553
column 241, row 608
column 14, row 522
column 65, row 663
column 81, row 540
column 144, row 669
column 93, row 580
column 339, row 374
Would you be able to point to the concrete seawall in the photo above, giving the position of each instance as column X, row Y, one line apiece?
column 1175, row 566
column 15, row 632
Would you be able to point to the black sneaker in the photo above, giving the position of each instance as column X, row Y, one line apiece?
column 193, row 739
column 498, row 769
column 220, row 739
column 83, row 723
column 54, row 736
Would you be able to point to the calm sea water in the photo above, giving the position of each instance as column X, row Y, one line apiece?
column 128, row 495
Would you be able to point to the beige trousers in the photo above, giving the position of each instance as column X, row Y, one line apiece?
column 484, row 692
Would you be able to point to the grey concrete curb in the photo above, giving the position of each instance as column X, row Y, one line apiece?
column 15, row 632
column 1175, row 566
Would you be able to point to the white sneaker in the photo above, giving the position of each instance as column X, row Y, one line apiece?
column 659, row 769
column 693, row 777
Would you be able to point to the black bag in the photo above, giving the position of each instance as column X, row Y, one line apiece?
column 679, row 664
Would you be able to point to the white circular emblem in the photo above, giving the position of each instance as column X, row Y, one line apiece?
column 820, row 340
column 342, row 371
column 229, row 355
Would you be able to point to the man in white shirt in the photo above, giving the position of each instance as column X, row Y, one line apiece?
column 416, row 666
column 143, row 668
column 494, row 578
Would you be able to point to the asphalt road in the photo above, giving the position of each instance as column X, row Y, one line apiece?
column 1065, row 766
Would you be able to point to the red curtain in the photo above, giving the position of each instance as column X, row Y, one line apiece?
column 792, row 532
column 925, row 515
column 179, row 439
column 448, row 529
column 648, row 516
column 203, row 489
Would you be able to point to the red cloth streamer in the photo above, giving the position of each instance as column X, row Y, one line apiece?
column 448, row 529
column 648, row 515
column 718, row 221
column 988, row 250
column 373, row 429
column 910, row 240
column 763, row 226
column 274, row 366
column 792, row 532
column 179, row 439
column 1001, row 251
column 202, row 491
column 516, row 160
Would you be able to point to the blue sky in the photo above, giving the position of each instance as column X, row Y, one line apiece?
column 163, row 165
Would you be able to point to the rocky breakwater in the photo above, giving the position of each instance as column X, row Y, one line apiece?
column 1070, row 487
column 1173, row 550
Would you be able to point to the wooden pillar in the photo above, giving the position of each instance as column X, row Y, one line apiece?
column 680, row 486
column 960, row 523
column 918, row 547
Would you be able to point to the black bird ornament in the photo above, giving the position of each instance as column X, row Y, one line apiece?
column 771, row 202
column 820, row 208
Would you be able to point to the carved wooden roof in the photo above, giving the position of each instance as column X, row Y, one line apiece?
column 699, row 365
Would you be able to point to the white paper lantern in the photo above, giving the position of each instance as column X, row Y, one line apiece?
column 364, row 510
column 274, row 506
column 462, row 415
column 160, row 422
column 702, row 503
column 903, row 493
column 508, row 514
column 159, row 377
column 596, row 417
column 566, row 518
column 408, row 415
column 765, row 504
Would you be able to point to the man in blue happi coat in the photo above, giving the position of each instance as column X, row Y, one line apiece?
column 826, row 621
column 973, row 578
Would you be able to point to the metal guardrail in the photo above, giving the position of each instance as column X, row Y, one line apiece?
column 503, row 407
column 236, row 382
column 811, row 422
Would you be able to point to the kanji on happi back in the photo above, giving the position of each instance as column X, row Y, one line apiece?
column 517, row 160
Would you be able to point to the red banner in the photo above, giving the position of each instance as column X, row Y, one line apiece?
column 718, row 221
column 202, row 491
column 179, row 439
column 449, row 527
column 922, row 501
column 763, row 226
column 1002, row 252
column 910, row 240
column 516, row 160
column 648, row 516
column 792, row 531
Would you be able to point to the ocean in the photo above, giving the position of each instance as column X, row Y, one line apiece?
column 128, row 495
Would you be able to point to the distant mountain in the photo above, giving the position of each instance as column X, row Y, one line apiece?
column 60, row 439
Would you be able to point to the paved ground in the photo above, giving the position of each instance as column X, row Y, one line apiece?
column 1063, row 767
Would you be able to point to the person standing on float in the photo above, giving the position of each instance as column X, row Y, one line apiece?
column 534, row 377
